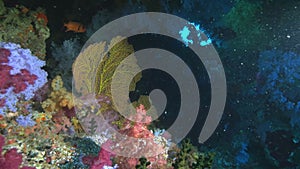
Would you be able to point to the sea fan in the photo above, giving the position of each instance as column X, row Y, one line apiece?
column 95, row 68
column 94, row 59
column 109, row 63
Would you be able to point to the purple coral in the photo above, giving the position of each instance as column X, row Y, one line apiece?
column 25, row 121
column 21, row 75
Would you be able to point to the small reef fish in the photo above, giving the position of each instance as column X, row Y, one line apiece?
column 75, row 27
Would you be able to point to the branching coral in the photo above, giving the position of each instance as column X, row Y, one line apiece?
column 64, row 55
column 109, row 63
column 25, row 120
column 36, row 136
column 134, row 140
column 99, row 128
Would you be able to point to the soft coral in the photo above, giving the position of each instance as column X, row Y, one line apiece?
column 137, row 141
column 104, row 157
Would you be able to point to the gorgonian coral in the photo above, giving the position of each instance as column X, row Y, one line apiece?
column 93, row 65
column 21, row 75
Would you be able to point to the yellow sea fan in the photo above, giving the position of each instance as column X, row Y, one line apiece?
column 85, row 67
column 107, row 69
column 93, row 70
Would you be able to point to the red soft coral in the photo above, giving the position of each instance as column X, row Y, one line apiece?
column 104, row 156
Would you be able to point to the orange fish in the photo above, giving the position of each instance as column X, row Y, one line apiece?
column 75, row 27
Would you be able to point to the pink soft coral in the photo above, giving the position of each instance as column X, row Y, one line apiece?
column 138, row 141
column 11, row 159
column 138, row 129
column 133, row 141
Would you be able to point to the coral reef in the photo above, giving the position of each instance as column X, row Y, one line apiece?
column 135, row 132
column 117, row 53
column 31, row 32
column 113, row 145
column 25, row 121
column 39, row 135
column 104, row 156
column 87, row 82
column 90, row 117
column 85, row 152
column 11, row 159
column 45, row 126
column 189, row 157
column 60, row 105
column 40, row 145
column 59, row 98
column 21, row 75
